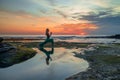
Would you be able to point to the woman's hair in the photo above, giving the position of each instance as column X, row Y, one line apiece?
column 47, row 30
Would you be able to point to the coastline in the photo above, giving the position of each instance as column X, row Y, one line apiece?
column 12, row 54
column 104, row 59
column 104, row 63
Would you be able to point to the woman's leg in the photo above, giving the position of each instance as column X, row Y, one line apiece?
column 41, row 45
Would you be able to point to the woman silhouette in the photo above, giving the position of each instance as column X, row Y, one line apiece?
column 48, row 34
column 41, row 46
column 48, row 39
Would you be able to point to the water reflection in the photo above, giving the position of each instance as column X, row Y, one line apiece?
column 63, row 65
column 48, row 53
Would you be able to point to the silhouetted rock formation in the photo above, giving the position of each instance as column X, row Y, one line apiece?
column 1, row 39
column 117, row 36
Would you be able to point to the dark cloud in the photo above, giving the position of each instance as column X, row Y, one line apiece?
column 43, row 11
column 61, row 13
column 108, row 23
column 91, row 15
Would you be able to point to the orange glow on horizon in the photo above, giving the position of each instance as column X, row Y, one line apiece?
column 63, row 29
column 24, row 24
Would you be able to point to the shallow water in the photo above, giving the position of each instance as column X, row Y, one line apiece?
column 63, row 65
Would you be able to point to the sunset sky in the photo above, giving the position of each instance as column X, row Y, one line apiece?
column 69, row 17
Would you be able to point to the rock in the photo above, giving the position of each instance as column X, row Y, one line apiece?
column 99, row 70
column 1, row 39
column 117, row 36
column 6, row 47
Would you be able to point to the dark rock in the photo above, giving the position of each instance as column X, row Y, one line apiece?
column 117, row 36
column 6, row 47
column 10, row 55
column 1, row 39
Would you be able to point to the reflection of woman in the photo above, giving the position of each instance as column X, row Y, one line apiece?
column 47, row 53
column 48, row 39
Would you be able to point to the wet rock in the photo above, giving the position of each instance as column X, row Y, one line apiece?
column 1, row 39
column 98, row 69
column 6, row 47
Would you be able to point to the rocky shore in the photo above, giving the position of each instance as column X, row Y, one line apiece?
column 11, row 54
column 104, row 62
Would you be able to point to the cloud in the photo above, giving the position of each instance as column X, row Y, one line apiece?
column 19, row 13
column 61, row 13
column 93, row 16
column 108, row 23
column 100, row 3
column 52, row 2
column 104, row 13
column 78, row 28
column 107, row 19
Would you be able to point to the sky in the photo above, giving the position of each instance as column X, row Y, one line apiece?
column 62, row 17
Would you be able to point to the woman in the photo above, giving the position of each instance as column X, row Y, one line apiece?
column 48, row 34
column 48, row 39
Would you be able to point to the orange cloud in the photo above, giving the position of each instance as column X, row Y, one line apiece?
column 77, row 29
column 27, row 24
column 63, row 29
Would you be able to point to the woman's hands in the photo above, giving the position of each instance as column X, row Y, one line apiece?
column 50, row 33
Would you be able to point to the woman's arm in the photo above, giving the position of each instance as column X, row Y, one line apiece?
column 50, row 33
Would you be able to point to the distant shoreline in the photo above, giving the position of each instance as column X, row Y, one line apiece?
column 36, row 37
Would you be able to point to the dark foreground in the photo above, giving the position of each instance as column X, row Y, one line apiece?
column 104, row 60
column 11, row 53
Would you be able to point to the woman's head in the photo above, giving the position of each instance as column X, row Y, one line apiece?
column 47, row 30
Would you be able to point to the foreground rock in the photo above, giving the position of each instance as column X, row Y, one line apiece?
column 104, row 63
column 10, row 55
